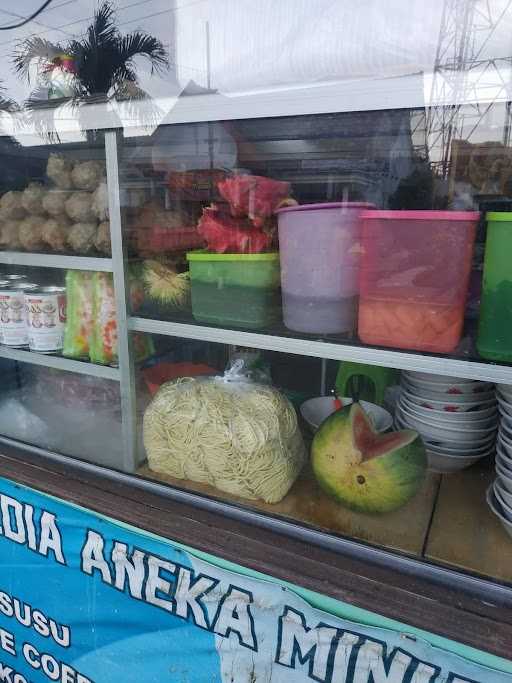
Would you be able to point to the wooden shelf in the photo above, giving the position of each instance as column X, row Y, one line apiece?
column 404, row 530
column 465, row 533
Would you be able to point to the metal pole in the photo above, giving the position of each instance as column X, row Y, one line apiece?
column 121, row 287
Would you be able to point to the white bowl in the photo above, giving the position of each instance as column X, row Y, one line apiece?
column 505, row 408
column 463, row 451
column 451, row 399
column 451, row 388
column 503, row 457
column 504, row 494
column 505, row 482
column 495, row 506
column 505, row 390
column 503, row 460
column 506, row 420
column 477, row 418
column 440, row 432
column 502, row 447
column 316, row 410
column 504, row 474
column 447, row 405
column 428, row 377
column 505, row 509
column 506, row 432
column 446, row 464
column 450, row 447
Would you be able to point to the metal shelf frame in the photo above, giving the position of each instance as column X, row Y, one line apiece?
column 21, row 258
column 331, row 350
column 60, row 363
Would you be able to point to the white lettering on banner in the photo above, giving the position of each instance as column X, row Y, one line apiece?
column 18, row 525
column 188, row 596
column 425, row 673
column 30, row 617
column 51, row 667
column 342, row 657
column 371, row 661
column 9, row 505
column 234, row 616
column 156, row 583
column 258, row 631
column 92, row 556
column 171, row 587
column 298, row 643
column 7, row 642
column 50, row 537
column 8, row 675
column 128, row 568
column 335, row 656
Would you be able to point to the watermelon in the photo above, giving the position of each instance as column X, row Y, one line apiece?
column 364, row 470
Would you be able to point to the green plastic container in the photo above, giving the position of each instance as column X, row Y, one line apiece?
column 238, row 290
column 495, row 326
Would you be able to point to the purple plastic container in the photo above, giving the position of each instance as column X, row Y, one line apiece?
column 320, row 249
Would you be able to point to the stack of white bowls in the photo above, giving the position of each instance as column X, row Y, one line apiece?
column 499, row 495
column 456, row 418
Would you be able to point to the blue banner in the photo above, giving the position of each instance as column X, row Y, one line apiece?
column 85, row 599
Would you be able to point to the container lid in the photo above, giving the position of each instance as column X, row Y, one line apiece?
column 497, row 216
column 329, row 205
column 203, row 255
column 423, row 215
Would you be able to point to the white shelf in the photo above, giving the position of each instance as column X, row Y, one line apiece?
column 59, row 363
column 401, row 360
column 21, row 258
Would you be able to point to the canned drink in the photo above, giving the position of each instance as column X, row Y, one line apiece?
column 3, row 283
column 13, row 316
column 46, row 318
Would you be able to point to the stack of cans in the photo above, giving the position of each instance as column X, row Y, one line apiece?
column 31, row 316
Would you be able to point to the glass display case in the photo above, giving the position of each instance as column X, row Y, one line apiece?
column 288, row 300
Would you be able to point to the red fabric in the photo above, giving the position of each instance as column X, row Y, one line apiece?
column 253, row 196
column 225, row 234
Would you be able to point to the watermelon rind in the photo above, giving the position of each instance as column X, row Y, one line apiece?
column 371, row 481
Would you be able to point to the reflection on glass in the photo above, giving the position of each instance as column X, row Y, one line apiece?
column 338, row 226
column 97, row 66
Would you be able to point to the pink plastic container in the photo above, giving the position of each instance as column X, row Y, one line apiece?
column 415, row 269
column 320, row 257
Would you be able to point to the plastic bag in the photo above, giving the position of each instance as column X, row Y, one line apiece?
column 78, row 330
column 236, row 434
column 91, row 328
column 104, row 331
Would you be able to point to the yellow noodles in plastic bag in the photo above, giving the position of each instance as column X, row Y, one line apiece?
column 241, row 437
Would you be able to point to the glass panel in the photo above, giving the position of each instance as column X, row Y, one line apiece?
column 54, row 197
column 64, row 412
column 281, row 434
column 341, row 227
column 278, row 180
